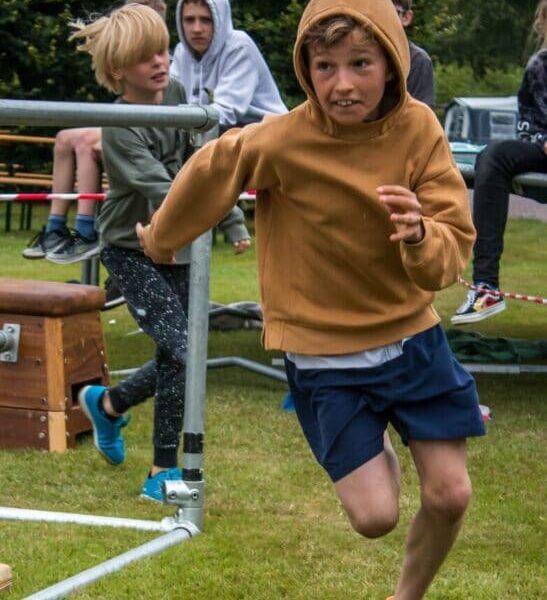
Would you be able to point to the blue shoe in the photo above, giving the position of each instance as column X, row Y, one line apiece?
column 106, row 432
column 151, row 490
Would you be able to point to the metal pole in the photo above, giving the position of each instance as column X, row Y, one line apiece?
column 227, row 361
column 196, row 368
column 66, row 587
column 250, row 365
column 46, row 516
column 95, row 114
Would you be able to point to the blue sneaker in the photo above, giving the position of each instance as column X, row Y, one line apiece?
column 151, row 490
column 106, row 432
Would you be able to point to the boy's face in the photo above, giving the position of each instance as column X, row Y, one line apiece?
column 145, row 82
column 197, row 26
column 349, row 78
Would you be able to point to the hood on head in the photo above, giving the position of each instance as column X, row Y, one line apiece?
column 222, row 26
column 379, row 15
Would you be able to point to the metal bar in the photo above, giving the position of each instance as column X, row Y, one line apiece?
column 95, row 114
column 237, row 361
column 22, row 514
column 66, row 587
column 508, row 369
column 226, row 361
column 198, row 328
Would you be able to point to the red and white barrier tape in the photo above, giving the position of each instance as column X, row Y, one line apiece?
column 42, row 197
column 525, row 297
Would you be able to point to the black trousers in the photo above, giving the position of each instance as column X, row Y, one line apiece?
column 496, row 166
column 157, row 298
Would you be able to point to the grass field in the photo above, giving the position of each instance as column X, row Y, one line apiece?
column 273, row 528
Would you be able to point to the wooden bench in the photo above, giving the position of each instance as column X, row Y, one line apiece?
column 15, row 176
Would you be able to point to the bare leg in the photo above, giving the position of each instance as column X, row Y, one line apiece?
column 370, row 494
column 445, row 493
column 87, row 150
column 76, row 149
column 64, row 169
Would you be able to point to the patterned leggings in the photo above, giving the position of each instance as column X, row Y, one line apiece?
column 157, row 298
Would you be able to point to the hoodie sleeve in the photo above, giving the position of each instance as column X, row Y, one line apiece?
column 236, row 86
column 174, row 68
column 233, row 226
column 129, row 160
column 197, row 200
column 439, row 259
column 533, row 101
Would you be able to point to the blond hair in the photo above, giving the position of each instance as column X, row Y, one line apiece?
column 540, row 23
column 127, row 36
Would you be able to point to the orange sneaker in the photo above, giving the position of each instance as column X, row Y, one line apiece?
column 390, row 598
column 5, row 577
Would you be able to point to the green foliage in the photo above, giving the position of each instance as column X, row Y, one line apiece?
column 275, row 37
column 453, row 80
column 36, row 60
column 489, row 34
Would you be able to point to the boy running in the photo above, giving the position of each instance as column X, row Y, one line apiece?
column 361, row 216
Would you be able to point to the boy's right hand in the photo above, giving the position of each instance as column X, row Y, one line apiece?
column 143, row 233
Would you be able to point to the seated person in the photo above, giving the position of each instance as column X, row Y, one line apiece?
column 496, row 166
column 222, row 66
column 420, row 81
column 76, row 155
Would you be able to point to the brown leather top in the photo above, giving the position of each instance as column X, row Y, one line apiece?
column 47, row 298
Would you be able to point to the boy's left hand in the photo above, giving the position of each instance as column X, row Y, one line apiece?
column 405, row 213
column 241, row 246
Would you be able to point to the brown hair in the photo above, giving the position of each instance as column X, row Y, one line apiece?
column 332, row 30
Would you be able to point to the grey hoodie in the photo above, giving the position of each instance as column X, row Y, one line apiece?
column 232, row 75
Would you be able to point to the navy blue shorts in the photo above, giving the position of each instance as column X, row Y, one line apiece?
column 424, row 393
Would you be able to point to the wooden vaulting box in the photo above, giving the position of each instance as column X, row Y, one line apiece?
column 51, row 345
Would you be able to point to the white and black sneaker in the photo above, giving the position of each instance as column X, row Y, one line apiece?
column 113, row 295
column 74, row 249
column 480, row 304
column 44, row 242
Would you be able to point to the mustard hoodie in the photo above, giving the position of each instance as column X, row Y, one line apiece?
column 331, row 282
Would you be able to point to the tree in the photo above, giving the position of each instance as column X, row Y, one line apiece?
column 36, row 59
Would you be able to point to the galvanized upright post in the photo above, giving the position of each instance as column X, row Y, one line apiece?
column 196, row 366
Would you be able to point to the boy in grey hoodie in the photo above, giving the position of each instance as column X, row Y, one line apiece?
column 222, row 66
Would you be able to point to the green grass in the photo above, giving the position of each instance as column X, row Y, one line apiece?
column 273, row 527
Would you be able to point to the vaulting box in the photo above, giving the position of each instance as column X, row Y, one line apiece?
column 51, row 344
